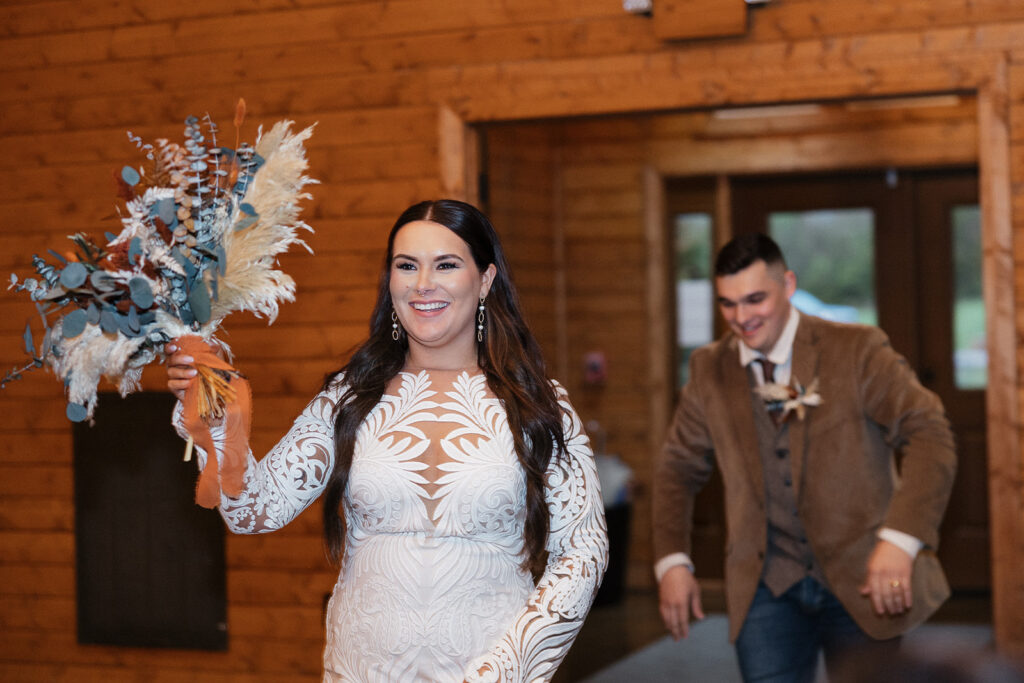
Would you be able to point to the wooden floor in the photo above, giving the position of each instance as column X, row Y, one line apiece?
column 618, row 628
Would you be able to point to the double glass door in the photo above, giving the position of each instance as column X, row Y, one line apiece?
column 895, row 248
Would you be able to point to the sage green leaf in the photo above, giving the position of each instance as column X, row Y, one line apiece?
column 101, row 281
column 245, row 222
column 73, row 275
column 130, row 175
column 142, row 295
column 199, row 301
column 167, row 211
column 108, row 320
column 76, row 412
column 30, row 345
column 74, row 323
column 134, row 250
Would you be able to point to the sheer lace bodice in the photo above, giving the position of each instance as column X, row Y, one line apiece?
column 431, row 587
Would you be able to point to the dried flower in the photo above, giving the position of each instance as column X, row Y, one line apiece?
column 202, row 227
column 795, row 398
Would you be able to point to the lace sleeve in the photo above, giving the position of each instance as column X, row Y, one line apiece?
column 542, row 632
column 288, row 479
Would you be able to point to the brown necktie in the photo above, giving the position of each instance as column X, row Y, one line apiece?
column 767, row 370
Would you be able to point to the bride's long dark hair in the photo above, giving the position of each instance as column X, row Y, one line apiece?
column 509, row 357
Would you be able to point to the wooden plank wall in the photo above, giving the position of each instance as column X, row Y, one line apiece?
column 75, row 74
column 522, row 204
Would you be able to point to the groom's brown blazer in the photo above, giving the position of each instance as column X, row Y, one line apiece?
column 844, row 468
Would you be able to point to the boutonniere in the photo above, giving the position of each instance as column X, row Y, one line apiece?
column 795, row 398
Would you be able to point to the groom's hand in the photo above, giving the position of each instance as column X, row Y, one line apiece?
column 888, row 581
column 679, row 593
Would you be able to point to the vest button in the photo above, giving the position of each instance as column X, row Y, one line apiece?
column 781, row 453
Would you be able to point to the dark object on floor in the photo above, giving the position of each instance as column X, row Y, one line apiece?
column 614, row 585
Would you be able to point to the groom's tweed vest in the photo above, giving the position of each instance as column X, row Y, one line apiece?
column 788, row 557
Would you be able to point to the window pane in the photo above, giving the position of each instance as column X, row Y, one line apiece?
column 694, row 303
column 832, row 252
column 970, row 357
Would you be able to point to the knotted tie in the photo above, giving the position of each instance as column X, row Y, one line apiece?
column 768, row 372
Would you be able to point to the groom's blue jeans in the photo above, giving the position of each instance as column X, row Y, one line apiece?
column 782, row 636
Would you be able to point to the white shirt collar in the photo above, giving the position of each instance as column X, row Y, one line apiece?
column 783, row 349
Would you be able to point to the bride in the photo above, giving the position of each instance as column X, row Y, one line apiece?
column 460, row 494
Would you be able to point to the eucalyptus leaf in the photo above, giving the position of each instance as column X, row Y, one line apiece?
column 130, row 175
column 199, row 301
column 110, row 236
column 74, row 323
column 133, row 319
column 222, row 259
column 245, row 223
column 101, row 281
column 167, row 211
column 92, row 314
column 58, row 256
column 30, row 345
column 142, row 295
column 76, row 412
column 14, row 279
column 190, row 268
column 108, row 320
column 125, row 326
column 247, row 208
column 134, row 250
column 73, row 275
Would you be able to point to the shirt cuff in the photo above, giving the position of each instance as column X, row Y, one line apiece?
column 669, row 561
column 905, row 542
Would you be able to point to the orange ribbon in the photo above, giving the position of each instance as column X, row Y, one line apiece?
column 237, row 420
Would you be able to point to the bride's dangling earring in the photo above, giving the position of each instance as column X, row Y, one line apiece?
column 395, row 334
column 480, row 321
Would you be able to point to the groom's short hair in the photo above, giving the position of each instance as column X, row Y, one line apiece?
column 740, row 252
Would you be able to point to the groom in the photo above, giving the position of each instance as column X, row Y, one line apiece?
column 831, row 537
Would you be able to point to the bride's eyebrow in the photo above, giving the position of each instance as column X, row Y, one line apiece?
column 442, row 257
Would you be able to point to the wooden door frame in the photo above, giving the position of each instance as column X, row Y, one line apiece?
column 458, row 159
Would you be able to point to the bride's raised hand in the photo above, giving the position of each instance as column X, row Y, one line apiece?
column 180, row 370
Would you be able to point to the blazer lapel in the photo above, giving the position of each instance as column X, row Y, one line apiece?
column 737, row 388
column 805, row 369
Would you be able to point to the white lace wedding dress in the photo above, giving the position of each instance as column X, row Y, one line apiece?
column 431, row 587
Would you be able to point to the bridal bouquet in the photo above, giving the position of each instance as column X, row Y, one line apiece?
column 202, row 226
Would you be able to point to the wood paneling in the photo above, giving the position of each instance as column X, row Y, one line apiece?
column 76, row 74
column 680, row 19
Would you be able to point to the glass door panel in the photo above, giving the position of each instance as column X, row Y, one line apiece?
column 970, row 356
column 833, row 253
